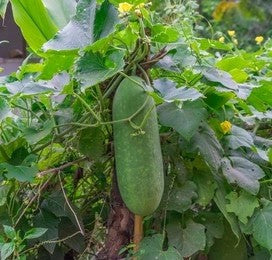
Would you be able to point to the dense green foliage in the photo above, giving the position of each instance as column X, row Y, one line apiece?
column 213, row 102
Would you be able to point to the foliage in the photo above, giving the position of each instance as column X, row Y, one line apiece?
column 55, row 179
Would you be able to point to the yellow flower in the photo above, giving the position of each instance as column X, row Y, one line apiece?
column 222, row 39
column 231, row 33
column 226, row 126
column 124, row 7
column 235, row 41
column 259, row 39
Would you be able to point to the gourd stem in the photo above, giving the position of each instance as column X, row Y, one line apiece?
column 138, row 232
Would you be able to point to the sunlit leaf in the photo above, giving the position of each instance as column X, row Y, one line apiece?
column 61, row 11
column 34, row 21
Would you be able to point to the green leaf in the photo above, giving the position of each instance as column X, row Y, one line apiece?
column 3, row 7
column 50, row 156
column 221, row 77
column 20, row 173
column 28, row 87
column 35, row 233
column 55, row 63
column 189, row 240
column 33, row 135
column 170, row 93
column 185, row 119
column 4, row 109
column 205, row 187
column 181, row 197
column 105, row 19
column 152, row 248
column 261, row 98
column 78, row 33
column 207, row 143
column 48, row 221
column 242, row 172
column 221, row 202
column 34, row 21
column 9, row 231
column 239, row 138
column 238, row 75
column 242, row 206
column 91, row 142
column 6, row 250
column 93, row 68
column 61, row 11
column 164, row 34
column 261, row 223
column 57, row 204
column 236, row 62
column 228, row 247
column 213, row 223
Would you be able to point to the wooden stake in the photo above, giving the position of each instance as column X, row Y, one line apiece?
column 138, row 232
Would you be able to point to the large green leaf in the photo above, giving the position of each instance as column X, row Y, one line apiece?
column 170, row 92
column 221, row 202
column 185, row 119
column 152, row 248
column 3, row 7
column 242, row 206
column 181, row 197
column 239, row 138
column 91, row 142
column 205, row 187
column 189, row 240
column 48, row 221
column 20, row 173
column 78, row 32
column 242, row 172
column 61, row 11
column 105, row 19
column 221, row 77
column 207, row 143
column 261, row 225
column 34, row 21
column 228, row 247
column 34, row 135
column 261, row 98
column 93, row 68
